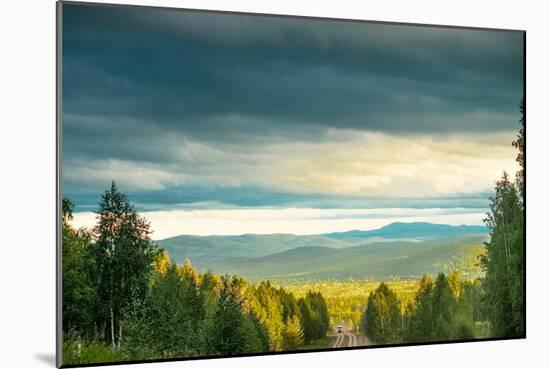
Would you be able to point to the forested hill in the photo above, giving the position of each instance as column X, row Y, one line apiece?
column 377, row 261
column 207, row 249
column 398, row 250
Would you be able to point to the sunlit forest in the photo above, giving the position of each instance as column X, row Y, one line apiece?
column 346, row 300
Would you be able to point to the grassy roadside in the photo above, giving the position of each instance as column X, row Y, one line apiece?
column 320, row 343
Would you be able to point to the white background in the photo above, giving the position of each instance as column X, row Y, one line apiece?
column 27, row 207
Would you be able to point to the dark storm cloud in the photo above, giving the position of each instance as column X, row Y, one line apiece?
column 190, row 71
column 139, row 83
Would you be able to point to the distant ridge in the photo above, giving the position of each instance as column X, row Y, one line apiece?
column 207, row 249
column 376, row 261
column 225, row 253
column 419, row 231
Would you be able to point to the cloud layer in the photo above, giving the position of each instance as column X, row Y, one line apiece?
column 224, row 110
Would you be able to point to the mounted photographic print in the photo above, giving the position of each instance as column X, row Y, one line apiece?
column 243, row 184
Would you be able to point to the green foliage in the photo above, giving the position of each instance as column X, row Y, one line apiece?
column 473, row 293
column 123, row 256
column 233, row 330
column 209, row 288
column 441, row 312
column 257, row 336
column 504, row 263
column 319, row 306
column 162, row 262
column 289, row 304
column 293, row 335
column 266, row 304
column 382, row 318
column 442, row 309
column 346, row 300
column 78, row 293
column 79, row 352
column 519, row 144
column 318, row 343
column 279, row 313
column 173, row 311
column 314, row 316
column 67, row 208
column 419, row 314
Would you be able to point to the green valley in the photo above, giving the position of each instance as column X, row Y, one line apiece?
column 288, row 258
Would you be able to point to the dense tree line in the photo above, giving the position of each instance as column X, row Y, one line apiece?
column 441, row 311
column 124, row 299
column 504, row 262
column 346, row 300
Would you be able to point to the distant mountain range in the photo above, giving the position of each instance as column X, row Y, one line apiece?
column 398, row 250
column 416, row 231
column 207, row 249
column 379, row 261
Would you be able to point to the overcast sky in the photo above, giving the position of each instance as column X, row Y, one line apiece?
column 200, row 116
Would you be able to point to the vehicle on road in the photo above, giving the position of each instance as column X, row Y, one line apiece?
column 339, row 328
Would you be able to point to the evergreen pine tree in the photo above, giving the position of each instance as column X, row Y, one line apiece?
column 420, row 316
column 443, row 301
column 228, row 332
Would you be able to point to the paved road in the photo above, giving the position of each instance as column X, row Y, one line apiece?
column 346, row 335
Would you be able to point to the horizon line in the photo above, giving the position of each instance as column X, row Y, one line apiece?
column 319, row 234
